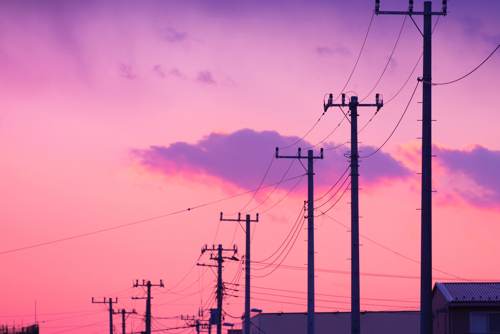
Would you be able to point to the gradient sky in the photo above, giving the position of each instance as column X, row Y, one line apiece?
column 117, row 111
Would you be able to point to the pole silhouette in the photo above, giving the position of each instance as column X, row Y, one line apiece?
column 354, row 166
column 110, row 302
column 124, row 313
column 426, row 190
column 248, row 220
column 310, row 230
column 219, row 258
column 148, row 286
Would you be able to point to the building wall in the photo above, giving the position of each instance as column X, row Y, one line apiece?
column 337, row 323
column 440, row 317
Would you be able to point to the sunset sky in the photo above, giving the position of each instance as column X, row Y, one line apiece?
column 121, row 111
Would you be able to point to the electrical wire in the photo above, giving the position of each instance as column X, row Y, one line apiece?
column 329, row 134
column 336, row 296
column 396, row 126
column 388, row 60
column 289, row 235
column 337, row 201
column 275, row 187
column 260, row 185
column 334, row 185
column 290, row 190
column 359, row 55
column 284, row 257
column 137, row 222
column 470, row 72
column 387, row 248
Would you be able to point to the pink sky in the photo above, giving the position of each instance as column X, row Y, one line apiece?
column 86, row 86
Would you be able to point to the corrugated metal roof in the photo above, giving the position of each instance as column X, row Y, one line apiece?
column 470, row 292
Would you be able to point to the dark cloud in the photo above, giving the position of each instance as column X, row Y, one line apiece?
column 480, row 165
column 206, row 77
column 241, row 158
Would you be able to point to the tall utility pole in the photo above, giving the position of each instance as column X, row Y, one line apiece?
column 248, row 220
column 426, row 190
column 310, row 230
column 220, row 258
column 354, row 165
column 110, row 302
column 148, row 286
column 124, row 313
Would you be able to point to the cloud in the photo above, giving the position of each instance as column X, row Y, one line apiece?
column 326, row 51
column 475, row 28
column 474, row 174
column 126, row 72
column 241, row 158
column 158, row 70
column 172, row 35
column 206, row 77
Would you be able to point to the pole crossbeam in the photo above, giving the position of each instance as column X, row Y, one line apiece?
column 311, row 324
column 148, row 285
column 110, row 302
column 124, row 314
column 247, row 220
column 220, row 258
column 426, row 189
column 353, row 105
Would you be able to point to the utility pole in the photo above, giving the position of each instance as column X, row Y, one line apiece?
column 354, row 165
column 310, row 230
column 248, row 220
column 110, row 302
column 148, row 286
column 220, row 258
column 426, row 190
column 124, row 313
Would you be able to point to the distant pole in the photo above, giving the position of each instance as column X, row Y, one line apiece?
column 354, row 166
column 124, row 313
column 219, row 289
column 148, row 286
column 426, row 190
column 110, row 302
column 248, row 220
column 220, row 258
column 310, row 231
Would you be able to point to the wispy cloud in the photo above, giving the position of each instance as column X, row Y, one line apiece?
column 206, row 77
column 172, row 35
column 327, row 51
column 126, row 71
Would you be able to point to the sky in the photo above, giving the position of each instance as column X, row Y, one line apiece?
column 121, row 113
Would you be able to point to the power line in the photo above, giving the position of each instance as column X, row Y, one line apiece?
column 359, row 55
column 284, row 257
column 379, row 244
column 470, row 72
column 137, row 222
column 290, row 190
column 260, row 185
column 286, row 241
column 343, row 176
column 275, row 187
column 336, row 296
column 395, row 127
column 388, row 61
column 338, row 199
